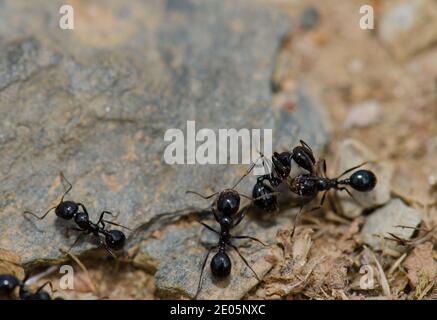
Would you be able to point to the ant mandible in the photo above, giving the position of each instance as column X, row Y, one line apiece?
column 8, row 283
column 67, row 210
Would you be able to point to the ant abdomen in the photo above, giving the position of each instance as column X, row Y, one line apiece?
column 363, row 180
column 115, row 239
column 66, row 210
column 8, row 283
column 221, row 265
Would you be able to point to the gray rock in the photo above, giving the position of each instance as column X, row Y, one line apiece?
column 386, row 220
column 178, row 269
column 353, row 153
column 363, row 115
column 95, row 102
column 309, row 18
column 408, row 26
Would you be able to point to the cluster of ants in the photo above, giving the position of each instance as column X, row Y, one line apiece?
column 226, row 206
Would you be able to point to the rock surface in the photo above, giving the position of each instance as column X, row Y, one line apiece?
column 386, row 220
column 402, row 20
column 178, row 269
column 363, row 115
column 353, row 153
column 96, row 101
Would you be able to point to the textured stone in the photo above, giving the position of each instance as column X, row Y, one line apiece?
column 363, row 115
column 179, row 269
column 402, row 20
column 95, row 102
column 385, row 220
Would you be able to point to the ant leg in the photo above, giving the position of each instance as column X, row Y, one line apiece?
column 201, row 272
column 214, row 212
column 322, row 163
column 70, row 186
column 245, row 261
column 350, row 195
column 240, row 217
column 352, row 169
column 106, row 247
column 305, row 145
column 36, row 216
column 251, row 238
column 83, row 208
column 348, row 192
column 323, row 199
column 75, row 241
column 202, row 196
column 296, row 219
column 260, row 197
column 246, row 174
column 47, row 283
column 208, row 227
column 114, row 224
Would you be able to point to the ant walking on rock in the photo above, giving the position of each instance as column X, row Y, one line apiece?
column 226, row 210
column 67, row 210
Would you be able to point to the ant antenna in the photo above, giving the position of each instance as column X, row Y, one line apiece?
column 352, row 169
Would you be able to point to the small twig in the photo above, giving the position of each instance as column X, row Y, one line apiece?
column 396, row 264
column 382, row 278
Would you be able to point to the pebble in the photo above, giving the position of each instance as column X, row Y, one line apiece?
column 385, row 220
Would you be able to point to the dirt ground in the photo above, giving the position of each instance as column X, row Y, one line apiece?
column 344, row 66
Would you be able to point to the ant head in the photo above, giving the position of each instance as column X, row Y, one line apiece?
column 221, row 265
column 115, row 239
column 282, row 163
column 264, row 196
column 363, row 180
column 228, row 202
column 304, row 157
column 66, row 210
column 82, row 220
column 8, row 283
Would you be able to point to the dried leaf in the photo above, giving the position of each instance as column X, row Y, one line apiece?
column 420, row 264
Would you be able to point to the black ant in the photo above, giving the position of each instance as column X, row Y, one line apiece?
column 221, row 264
column 228, row 201
column 226, row 210
column 264, row 195
column 308, row 186
column 280, row 171
column 8, row 283
column 67, row 210
column 281, row 163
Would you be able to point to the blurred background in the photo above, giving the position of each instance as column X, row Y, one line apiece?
column 95, row 101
